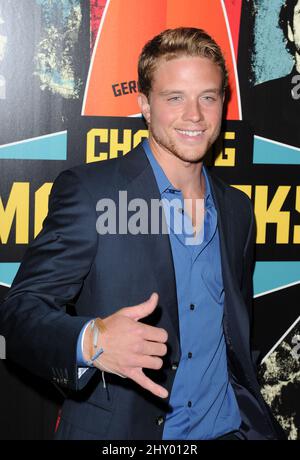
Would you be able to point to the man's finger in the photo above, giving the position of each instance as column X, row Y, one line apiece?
column 154, row 334
column 147, row 362
column 153, row 348
column 138, row 376
column 142, row 310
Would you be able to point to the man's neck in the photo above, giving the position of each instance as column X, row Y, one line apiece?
column 183, row 175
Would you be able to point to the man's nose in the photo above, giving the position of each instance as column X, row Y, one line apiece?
column 193, row 111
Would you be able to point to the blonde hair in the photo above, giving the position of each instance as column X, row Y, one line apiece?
column 173, row 43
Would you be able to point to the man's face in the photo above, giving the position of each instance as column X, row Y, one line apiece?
column 294, row 29
column 184, row 108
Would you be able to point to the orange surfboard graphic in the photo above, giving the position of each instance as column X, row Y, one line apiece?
column 125, row 27
column 234, row 11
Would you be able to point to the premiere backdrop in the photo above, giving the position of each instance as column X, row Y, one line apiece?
column 68, row 87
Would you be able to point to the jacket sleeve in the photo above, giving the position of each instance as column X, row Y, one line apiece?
column 39, row 333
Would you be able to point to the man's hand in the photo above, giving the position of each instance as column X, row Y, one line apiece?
column 129, row 345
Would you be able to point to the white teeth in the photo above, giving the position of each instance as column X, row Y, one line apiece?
column 190, row 133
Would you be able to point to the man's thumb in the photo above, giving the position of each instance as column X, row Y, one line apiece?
column 143, row 309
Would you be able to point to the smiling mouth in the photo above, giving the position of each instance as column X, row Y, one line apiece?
column 190, row 133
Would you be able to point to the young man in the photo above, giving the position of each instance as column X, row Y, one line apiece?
column 170, row 357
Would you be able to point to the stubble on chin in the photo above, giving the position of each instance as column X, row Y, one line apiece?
column 171, row 148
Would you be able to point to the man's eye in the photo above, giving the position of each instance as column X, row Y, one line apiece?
column 174, row 98
column 209, row 98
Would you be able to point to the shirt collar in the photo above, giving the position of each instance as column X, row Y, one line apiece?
column 163, row 182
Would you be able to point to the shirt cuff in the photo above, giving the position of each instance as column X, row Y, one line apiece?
column 79, row 352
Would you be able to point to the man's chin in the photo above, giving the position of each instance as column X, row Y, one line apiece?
column 182, row 151
column 192, row 157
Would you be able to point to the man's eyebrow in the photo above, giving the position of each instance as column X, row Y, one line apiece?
column 212, row 90
column 171, row 91
column 174, row 91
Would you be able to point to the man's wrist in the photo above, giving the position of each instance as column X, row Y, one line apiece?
column 92, row 348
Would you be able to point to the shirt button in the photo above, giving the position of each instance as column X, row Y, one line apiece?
column 190, row 403
column 190, row 354
column 192, row 306
column 160, row 420
column 174, row 366
column 181, row 210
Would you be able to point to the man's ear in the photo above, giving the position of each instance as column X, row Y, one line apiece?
column 144, row 106
column 290, row 32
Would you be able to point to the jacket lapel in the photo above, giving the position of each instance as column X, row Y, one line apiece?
column 236, row 321
column 140, row 182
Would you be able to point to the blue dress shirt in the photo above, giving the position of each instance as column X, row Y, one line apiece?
column 202, row 401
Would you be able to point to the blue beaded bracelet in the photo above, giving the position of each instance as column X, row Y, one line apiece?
column 95, row 330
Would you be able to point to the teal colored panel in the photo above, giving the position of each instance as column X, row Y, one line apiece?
column 269, row 276
column 271, row 152
column 49, row 147
column 8, row 271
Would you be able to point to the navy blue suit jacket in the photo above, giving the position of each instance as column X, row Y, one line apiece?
column 70, row 266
